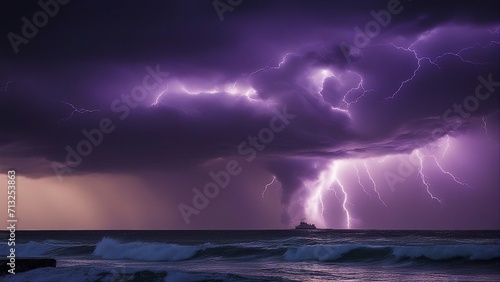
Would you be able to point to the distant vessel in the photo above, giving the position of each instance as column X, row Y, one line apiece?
column 304, row 225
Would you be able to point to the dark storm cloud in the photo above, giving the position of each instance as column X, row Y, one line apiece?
column 190, row 31
column 91, row 53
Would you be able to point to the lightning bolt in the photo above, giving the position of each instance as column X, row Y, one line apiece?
column 359, row 180
column 344, row 203
column 324, row 74
column 327, row 74
column 433, row 156
column 419, row 59
column 373, row 182
column 315, row 202
column 459, row 53
column 267, row 186
column 329, row 180
column 76, row 110
column 332, row 188
column 484, row 126
column 423, row 177
column 268, row 67
column 357, row 88
column 315, row 207
column 456, row 179
column 157, row 100
column 447, row 146
column 324, row 182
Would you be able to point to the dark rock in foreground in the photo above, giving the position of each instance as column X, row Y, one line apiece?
column 25, row 264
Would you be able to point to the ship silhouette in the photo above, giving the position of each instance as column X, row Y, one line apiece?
column 305, row 225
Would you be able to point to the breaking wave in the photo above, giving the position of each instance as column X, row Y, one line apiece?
column 373, row 253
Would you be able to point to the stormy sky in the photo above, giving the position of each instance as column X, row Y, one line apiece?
column 178, row 114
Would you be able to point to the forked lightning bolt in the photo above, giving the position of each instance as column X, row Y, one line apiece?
column 456, row 179
column 374, row 185
column 360, row 86
column 315, row 205
column 459, row 53
column 359, row 180
column 423, row 177
column 76, row 110
column 434, row 61
column 415, row 71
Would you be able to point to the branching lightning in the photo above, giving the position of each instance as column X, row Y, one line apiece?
column 456, row 179
column 76, row 110
column 438, row 164
column 459, row 53
column 315, row 205
column 411, row 49
column 358, row 87
column 423, row 177
column 329, row 179
column 359, row 180
column 332, row 188
column 417, row 58
column 374, row 185
column 324, row 74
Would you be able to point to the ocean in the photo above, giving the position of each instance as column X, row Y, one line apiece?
column 274, row 255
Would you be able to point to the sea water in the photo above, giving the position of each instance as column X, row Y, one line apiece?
column 274, row 255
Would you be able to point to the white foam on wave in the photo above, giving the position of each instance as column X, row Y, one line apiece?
column 440, row 252
column 30, row 249
column 443, row 252
column 103, row 274
column 64, row 274
column 109, row 248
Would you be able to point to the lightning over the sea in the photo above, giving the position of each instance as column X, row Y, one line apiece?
column 315, row 206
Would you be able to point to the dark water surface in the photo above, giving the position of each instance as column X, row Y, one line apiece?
column 274, row 255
